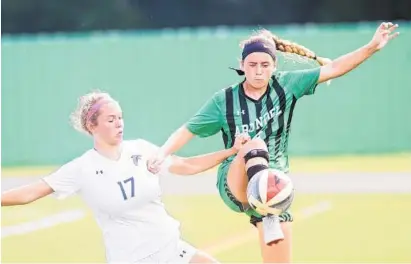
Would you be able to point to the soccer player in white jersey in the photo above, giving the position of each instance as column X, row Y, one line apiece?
column 125, row 197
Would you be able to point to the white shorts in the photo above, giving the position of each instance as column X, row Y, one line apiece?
column 177, row 251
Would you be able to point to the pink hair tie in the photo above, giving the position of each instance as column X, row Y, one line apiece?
column 95, row 107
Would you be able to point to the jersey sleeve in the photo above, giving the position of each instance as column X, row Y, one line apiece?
column 64, row 181
column 301, row 82
column 208, row 120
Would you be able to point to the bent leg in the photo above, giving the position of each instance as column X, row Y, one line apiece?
column 237, row 179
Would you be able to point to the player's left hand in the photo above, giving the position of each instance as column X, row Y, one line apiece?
column 385, row 32
column 240, row 140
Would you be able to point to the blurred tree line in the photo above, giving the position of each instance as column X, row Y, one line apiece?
column 32, row 16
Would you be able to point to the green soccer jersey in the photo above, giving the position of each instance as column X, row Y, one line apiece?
column 232, row 112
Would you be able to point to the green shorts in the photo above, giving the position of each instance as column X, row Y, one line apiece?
column 237, row 206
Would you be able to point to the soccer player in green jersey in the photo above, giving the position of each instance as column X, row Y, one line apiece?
column 262, row 105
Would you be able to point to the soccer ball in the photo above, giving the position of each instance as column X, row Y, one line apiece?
column 270, row 192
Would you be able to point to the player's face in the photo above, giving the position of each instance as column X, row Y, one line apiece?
column 110, row 124
column 258, row 68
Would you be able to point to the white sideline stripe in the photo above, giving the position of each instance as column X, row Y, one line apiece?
column 313, row 210
column 43, row 223
column 74, row 215
column 245, row 236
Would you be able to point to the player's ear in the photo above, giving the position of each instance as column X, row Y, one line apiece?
column 242, row 65
column 91, row 127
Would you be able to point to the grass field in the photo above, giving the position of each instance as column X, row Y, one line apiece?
column 329, row 227
column 351, row 228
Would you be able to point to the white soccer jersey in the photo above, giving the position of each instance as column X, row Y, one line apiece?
column 125, row 198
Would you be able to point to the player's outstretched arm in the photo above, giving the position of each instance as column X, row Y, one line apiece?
column 25, row 194
column 348, row 62
column 201, row 163
column 175, row 142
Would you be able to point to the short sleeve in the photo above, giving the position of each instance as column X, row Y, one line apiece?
column 64, row 181
column 301, row 82
column 208, row 120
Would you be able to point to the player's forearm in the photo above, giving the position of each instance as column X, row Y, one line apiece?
column 176, row 141
column 346, row 63
column 201, row 163
column 14, row 197
column 25, row 194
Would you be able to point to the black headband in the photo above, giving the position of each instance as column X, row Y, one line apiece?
column 258, row 46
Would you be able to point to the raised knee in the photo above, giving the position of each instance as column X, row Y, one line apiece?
column 256, row 160
column 256, row 143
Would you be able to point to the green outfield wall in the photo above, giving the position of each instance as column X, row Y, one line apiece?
column 162, row 77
